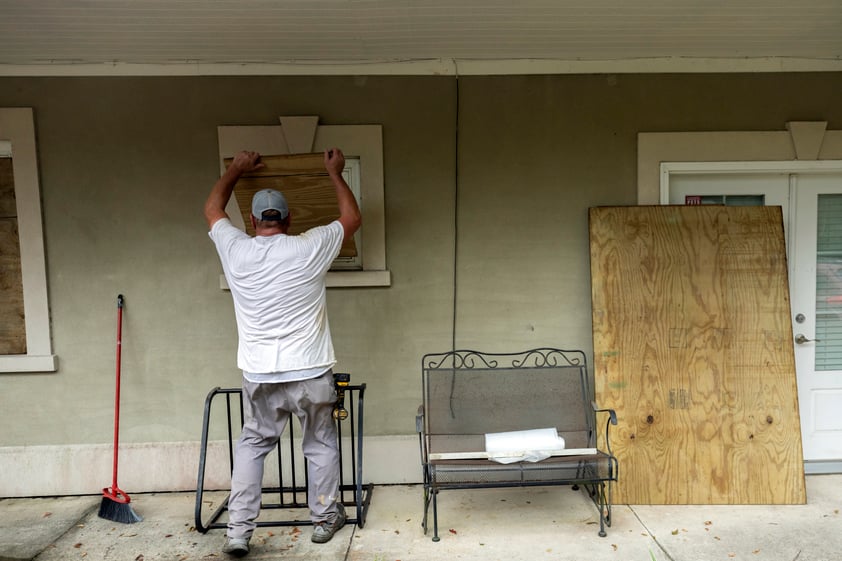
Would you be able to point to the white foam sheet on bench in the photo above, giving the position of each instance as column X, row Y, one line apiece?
column 495, row 455
column 534, row 445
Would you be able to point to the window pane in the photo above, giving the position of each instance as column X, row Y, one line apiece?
column 829, row 283
column 745, row 200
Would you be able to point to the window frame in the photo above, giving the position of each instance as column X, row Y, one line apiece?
column 362, row 141
column 17, row 131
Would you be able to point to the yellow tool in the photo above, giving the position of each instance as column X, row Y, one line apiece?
column 342, row 381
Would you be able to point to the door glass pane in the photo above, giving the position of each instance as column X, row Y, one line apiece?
column 727, row 200
column 829, row 283
column 745, row 200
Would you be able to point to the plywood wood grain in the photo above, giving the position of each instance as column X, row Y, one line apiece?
column 309, row 192
column 693, row 349
column 13, row 324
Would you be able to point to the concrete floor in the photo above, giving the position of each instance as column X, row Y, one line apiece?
column 489, row 524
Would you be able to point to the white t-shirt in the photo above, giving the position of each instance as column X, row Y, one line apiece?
column 277, row 283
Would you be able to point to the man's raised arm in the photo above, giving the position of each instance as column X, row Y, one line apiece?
column 218, row 199
column 349, row 211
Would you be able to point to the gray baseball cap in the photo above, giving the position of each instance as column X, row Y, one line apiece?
column 269, row 199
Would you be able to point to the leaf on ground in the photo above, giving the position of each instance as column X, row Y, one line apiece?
column 77, row 545
column 675, row 532
column 47, row 514
column 614, row 546
column 139, row 557
column 452, row 531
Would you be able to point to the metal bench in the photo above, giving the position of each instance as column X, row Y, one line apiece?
column 468, row 394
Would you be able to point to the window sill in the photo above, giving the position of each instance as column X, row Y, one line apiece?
column 345, row 279
column 28, row 363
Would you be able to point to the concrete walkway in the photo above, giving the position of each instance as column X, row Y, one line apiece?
column 491, row 524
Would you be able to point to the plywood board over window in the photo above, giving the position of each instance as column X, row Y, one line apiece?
column 693, row 349
column 305, row 183
column 363, row 149
column 13, row 326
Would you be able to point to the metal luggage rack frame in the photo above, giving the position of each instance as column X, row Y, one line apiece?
column 290, row 494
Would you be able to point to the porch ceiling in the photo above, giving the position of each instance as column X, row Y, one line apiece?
column 47, row 33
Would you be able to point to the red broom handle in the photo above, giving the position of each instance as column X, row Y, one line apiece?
column 114, row 487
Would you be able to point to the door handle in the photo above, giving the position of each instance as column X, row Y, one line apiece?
column 800, row 339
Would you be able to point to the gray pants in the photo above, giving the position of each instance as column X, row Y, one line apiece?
column 266, row 409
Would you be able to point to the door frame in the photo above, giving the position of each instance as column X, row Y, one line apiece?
column 669, row 169
column 813, row 167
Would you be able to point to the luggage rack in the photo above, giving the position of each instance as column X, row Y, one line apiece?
column 291, row 492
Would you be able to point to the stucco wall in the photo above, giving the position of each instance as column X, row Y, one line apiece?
column 126, row 164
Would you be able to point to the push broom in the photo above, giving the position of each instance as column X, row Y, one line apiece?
column 115, row 502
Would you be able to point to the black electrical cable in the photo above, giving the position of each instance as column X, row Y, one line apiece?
column 455, row 218
column 455, row 245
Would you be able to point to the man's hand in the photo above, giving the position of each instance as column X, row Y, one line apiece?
column 334, row 161
column 349, row 211
column 245, row 162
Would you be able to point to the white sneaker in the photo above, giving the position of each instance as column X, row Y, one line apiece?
column 236, row 547
column 323, row 531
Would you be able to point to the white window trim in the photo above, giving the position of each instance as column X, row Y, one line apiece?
column 351, row 174
column 365, row 141
column 17, row 128
column 654, row 149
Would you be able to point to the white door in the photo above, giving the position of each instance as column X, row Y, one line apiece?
column 816, row 289
column 813, row 203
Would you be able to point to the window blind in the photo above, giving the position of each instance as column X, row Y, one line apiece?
column 829, row 283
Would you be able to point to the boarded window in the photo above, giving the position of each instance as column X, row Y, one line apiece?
column 308, row 189
column 13, row 327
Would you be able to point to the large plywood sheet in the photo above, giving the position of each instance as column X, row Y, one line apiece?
column 693, row 349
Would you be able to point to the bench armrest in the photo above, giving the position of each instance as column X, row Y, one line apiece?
column 611, row 413
column 612, row 420
column 419, row 420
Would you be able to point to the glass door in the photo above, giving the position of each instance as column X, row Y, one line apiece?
column 816, row 287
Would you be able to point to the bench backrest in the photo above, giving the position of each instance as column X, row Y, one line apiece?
column 469, row 393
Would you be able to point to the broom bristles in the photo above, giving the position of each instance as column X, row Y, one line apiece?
column 115, row 506
column 118, row 512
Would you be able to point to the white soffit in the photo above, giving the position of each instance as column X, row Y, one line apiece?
column 320, row 37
